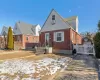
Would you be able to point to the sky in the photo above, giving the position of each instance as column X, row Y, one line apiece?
column 36, row 12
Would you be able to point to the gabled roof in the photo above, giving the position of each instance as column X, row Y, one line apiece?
column 73, row 22
column 70, row 18
column 25, row 28
column 66, row 25
column 63, row 19
column 4, row 30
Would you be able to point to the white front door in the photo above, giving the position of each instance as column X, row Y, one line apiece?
column 47, row 38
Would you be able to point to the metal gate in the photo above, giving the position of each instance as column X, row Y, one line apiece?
column 85, row 49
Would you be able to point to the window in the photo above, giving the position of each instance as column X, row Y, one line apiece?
column 27, row 38
column 53, row 20
column 59, row 36
column 53, row 17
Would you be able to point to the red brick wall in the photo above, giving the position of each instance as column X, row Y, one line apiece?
column 67, row 44
column 77, row 39
column 2, row 42
column 18, row 41
column 58, row 45
column 24, row 42
column 31, row 39
column 21, row 42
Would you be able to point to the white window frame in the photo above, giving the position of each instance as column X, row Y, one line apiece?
column 62, row 36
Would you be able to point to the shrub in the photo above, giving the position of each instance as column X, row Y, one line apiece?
column 96, row 40
column 10, row 43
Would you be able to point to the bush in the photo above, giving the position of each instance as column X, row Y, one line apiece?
column 96, row 40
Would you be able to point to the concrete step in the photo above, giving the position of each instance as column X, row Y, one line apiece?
column 40, row 50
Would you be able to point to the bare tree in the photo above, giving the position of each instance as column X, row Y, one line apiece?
column 89, row 35
column 4, row 34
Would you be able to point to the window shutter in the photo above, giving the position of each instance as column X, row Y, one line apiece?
column 54, row 36
column 62, row 34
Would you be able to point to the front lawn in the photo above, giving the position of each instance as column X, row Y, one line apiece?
column 32, row 68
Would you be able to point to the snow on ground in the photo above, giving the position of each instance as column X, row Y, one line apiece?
column 47, row 65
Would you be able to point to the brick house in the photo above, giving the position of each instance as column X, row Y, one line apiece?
column 60, row 33
column 3, row 37
column 26, row 35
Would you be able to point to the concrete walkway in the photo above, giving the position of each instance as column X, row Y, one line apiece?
column 82, row 67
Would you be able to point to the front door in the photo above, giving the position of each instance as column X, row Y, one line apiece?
column 47, row 38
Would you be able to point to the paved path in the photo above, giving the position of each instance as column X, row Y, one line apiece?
column 98, row 64
column 82, row 67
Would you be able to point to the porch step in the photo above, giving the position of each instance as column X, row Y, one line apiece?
column 40, row 50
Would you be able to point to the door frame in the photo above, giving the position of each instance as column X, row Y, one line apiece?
column 47, row 37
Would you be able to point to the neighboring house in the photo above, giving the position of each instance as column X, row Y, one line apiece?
column 3, row 37
column 2, row 42
column 60, row 33
column 26, row 35
column 4, row 31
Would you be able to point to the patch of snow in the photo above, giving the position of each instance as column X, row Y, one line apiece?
column 49, row 65
column 14, row 66
column 17, row 78
column 2, row 77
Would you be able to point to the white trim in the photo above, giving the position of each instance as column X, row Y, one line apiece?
column 62, row 36
column 45, row 36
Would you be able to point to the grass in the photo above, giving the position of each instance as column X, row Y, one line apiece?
column 24, row 54
column 15, row 55
column 58, row 76
column 13, row 76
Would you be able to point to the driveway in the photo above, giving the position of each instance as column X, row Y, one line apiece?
column 82, row 67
